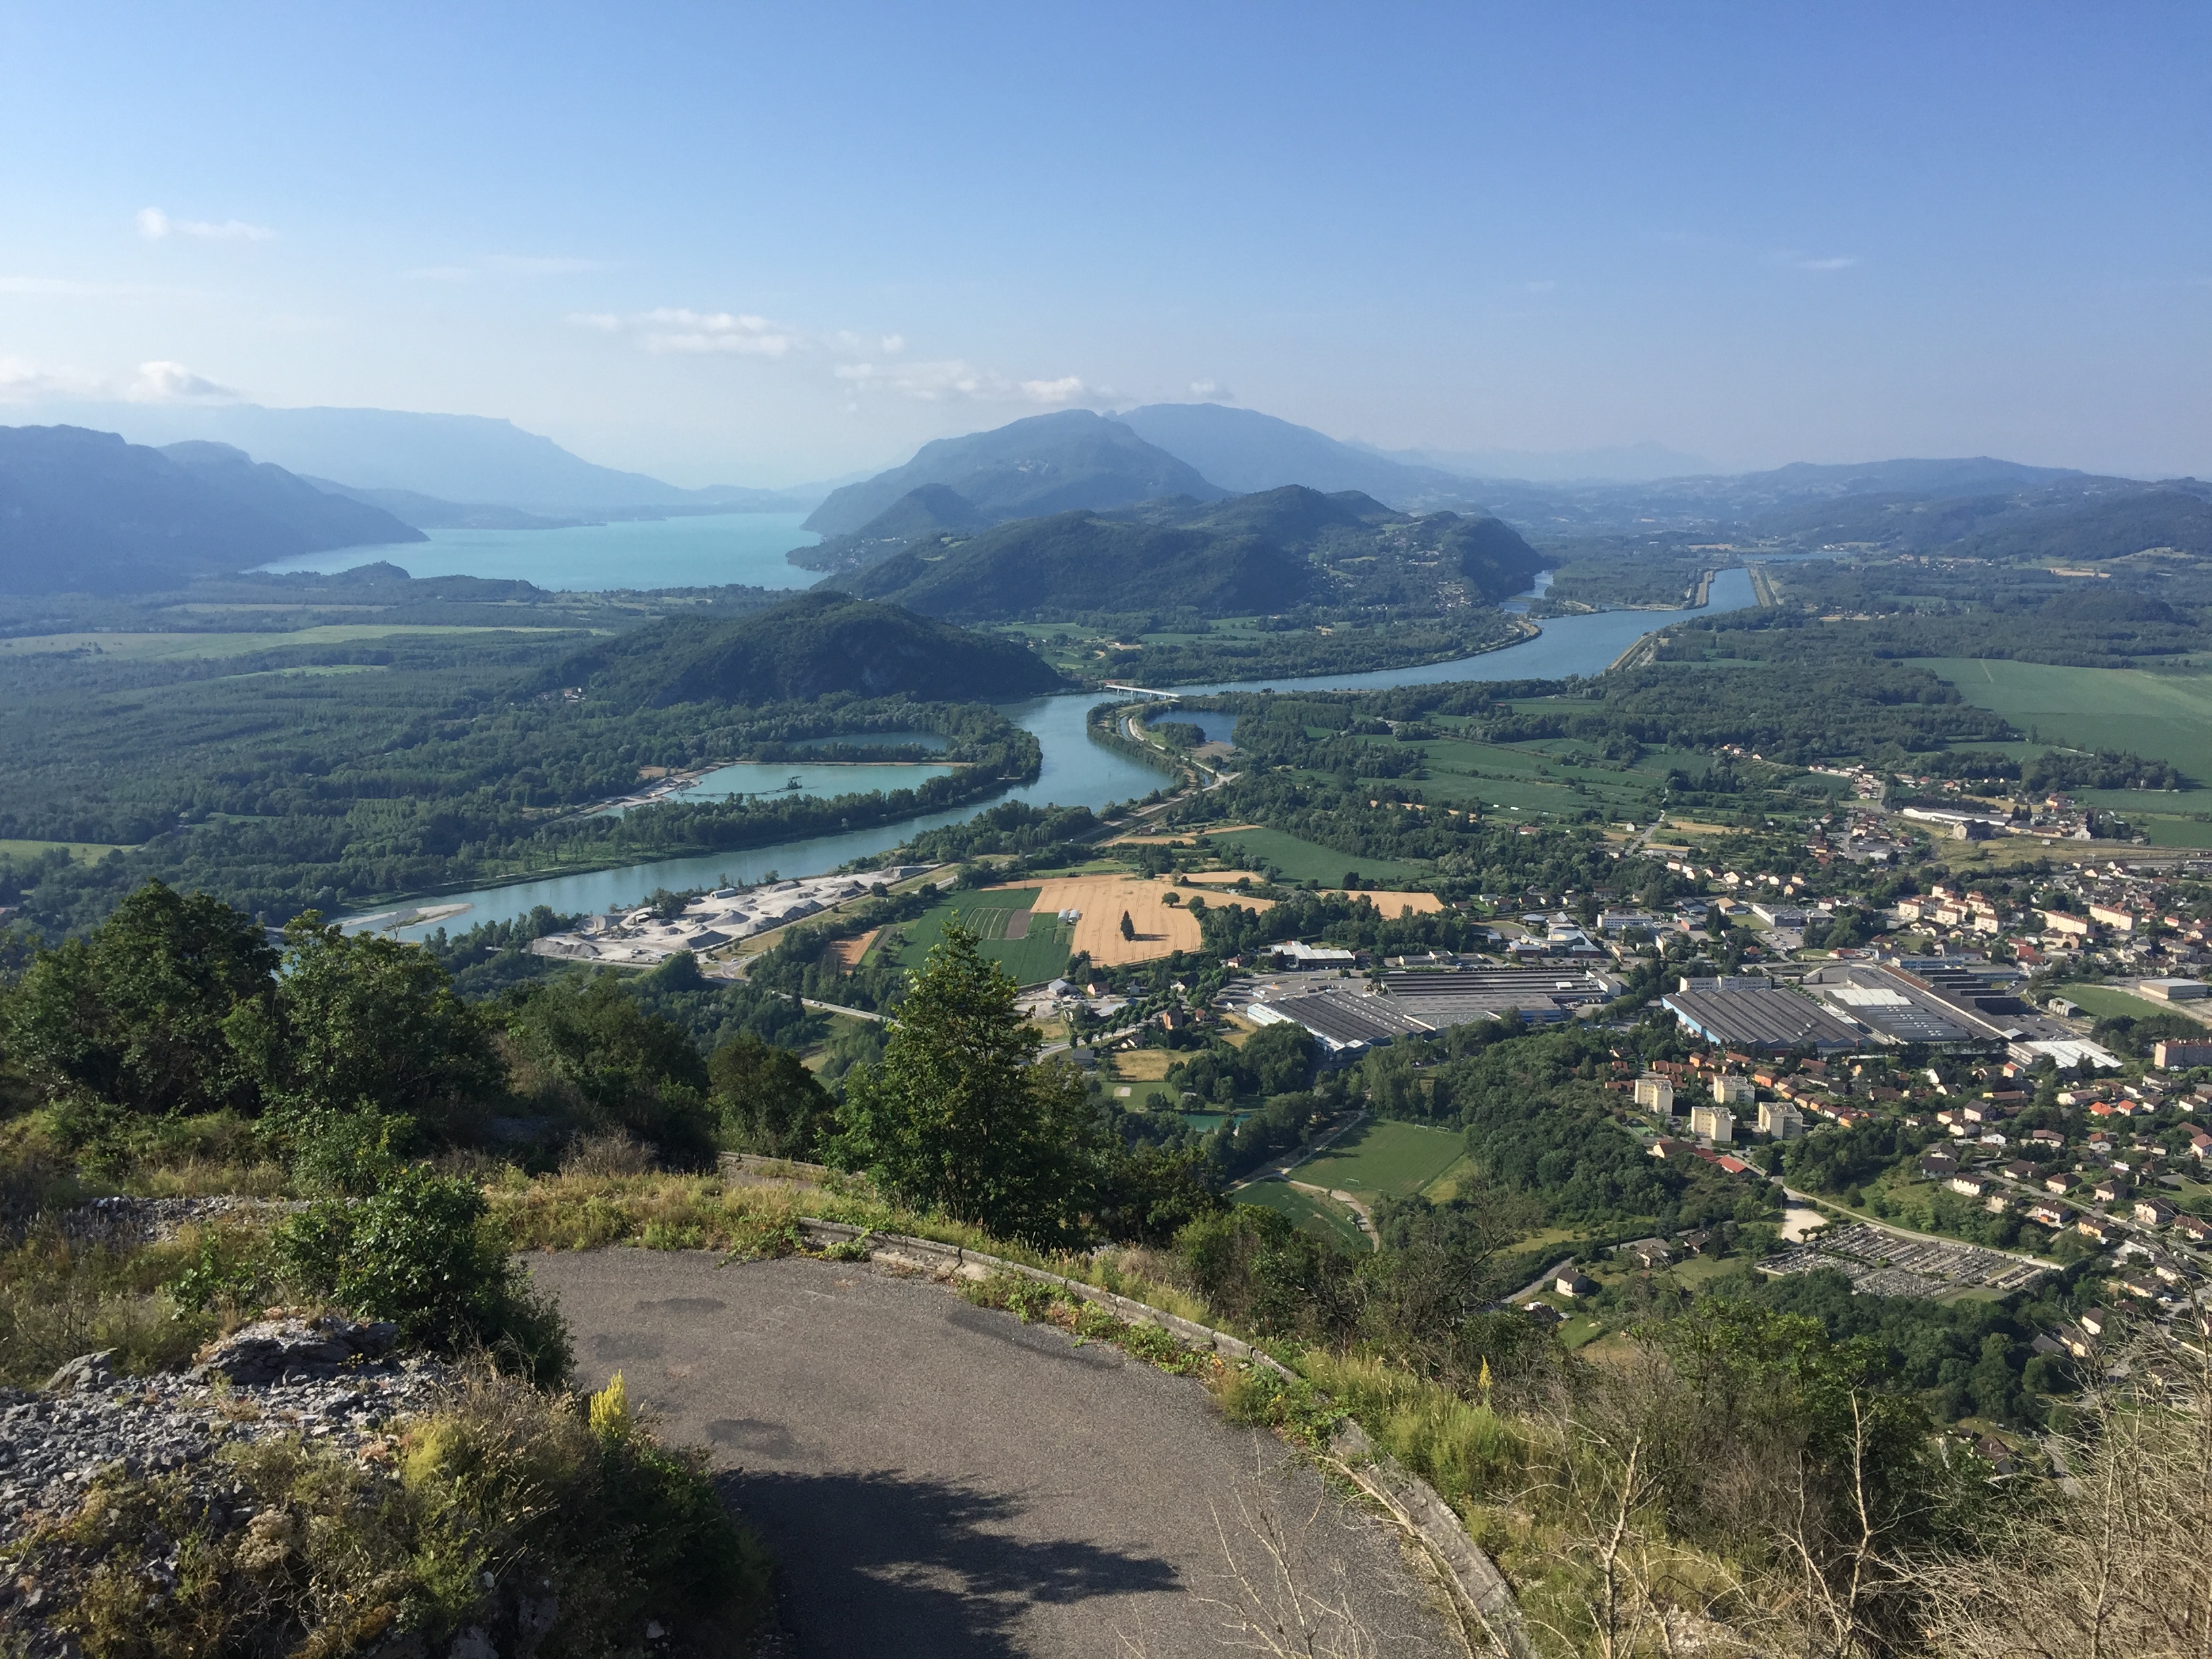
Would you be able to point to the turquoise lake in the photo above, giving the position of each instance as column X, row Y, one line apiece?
column 708, row 551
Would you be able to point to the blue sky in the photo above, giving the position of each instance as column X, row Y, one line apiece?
column 763, row 244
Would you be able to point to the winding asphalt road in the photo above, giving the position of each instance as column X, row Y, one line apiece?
column 940, row 1479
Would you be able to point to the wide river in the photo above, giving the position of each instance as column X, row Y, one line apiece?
column 1077, row 772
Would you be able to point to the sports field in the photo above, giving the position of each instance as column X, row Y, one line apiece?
column 1312, row 1213
column 1382, row 1156
column 1032, row 948
column 2110, row 1002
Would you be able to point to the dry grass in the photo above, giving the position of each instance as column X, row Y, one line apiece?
column 1141, row 1065
column 1161, row 928
column 1392, row 904
column 1189, row 837
column 845, row 954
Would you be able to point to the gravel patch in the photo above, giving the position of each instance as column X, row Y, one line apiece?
column 127, row 1222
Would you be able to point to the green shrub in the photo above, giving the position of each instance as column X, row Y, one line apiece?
column 420, row 1253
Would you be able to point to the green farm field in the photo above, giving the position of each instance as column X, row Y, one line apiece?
column 1302, row 860
column 1312, row 1213
column 195, row 646
column 2166, row 717
column 1382, row 1156
column 76, row 850
column 1040, row 955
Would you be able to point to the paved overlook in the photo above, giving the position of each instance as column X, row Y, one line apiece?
column 940, row 1479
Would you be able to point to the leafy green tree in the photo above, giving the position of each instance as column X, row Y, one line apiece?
column 364, row 1022
column 1128, row 927
column 583, row 1050
column 135, row 1014
column 957, row 1118
column 768, row 1101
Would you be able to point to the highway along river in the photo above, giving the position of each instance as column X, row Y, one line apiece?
column 1076, row 772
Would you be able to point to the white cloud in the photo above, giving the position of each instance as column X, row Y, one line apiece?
column 173, row 383
column 1796, row 261
column 1212, row 391
column 437, row 274
column 156, row 226
column 932, row 382
column 873, row 362
column 673, row 328
column 23, row 383
column 1064, row 390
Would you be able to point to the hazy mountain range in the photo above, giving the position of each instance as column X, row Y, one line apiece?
column 449, row 457
column 239, row 485
column 83, row 512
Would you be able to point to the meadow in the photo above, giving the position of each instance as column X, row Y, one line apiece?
column 1305, row 861
column 2165, row 717
column 199, row 647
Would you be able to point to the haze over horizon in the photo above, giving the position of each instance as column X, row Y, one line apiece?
column 754, row 248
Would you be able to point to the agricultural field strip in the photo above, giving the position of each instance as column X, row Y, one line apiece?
column 156, row 645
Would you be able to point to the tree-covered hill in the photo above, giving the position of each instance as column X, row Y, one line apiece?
column 1081, row 561
column 817, row 645
column 1269, row 552
column 922, row 513
column 82, row 512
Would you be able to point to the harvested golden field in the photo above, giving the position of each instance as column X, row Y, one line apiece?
column 1188, row 836
column 1393, row 904
column 1161, row 928
column 847, row 952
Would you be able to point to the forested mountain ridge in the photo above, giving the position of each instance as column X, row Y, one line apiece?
column 820, row 644
column 926, row 512
column 1265, row 553
column 1044, row 465
column 83, row 512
